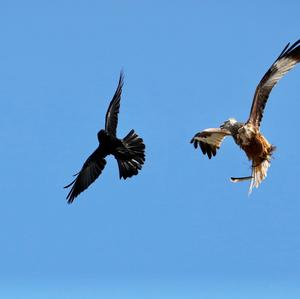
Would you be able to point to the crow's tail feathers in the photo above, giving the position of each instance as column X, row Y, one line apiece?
column 135, row 158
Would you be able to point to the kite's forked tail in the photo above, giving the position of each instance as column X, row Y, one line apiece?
column 260, row 169
column 259, row 173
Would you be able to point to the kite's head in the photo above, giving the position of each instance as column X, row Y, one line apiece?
column 228, row 124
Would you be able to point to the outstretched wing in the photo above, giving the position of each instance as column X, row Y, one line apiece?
column 89, row 172
column 111, row 120
column 210, row 140
column 287, row 59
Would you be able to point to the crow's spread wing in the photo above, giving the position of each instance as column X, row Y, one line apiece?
column 89, row 172
column 111, row 120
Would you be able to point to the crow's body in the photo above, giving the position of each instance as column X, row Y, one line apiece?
column 129, row 151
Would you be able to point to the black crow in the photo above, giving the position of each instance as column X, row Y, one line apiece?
column 129, row 151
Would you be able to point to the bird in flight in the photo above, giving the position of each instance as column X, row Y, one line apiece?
column 129, row 151
column 247, row 135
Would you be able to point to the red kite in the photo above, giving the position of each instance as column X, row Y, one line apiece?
column 247, row 135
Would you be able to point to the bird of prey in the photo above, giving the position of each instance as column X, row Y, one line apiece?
column 247, row 135
column 129, row 151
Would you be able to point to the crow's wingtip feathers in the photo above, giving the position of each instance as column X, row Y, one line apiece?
column 70, row 198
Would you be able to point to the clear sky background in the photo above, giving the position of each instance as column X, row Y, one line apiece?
column 179, row 229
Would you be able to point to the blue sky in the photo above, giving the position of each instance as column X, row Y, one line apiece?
column 179, row 229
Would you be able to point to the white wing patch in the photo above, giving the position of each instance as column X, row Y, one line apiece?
column 213, row 137
column 283, row 65
column 210, row 140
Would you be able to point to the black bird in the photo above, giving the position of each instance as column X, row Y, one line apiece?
column 129, row 151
